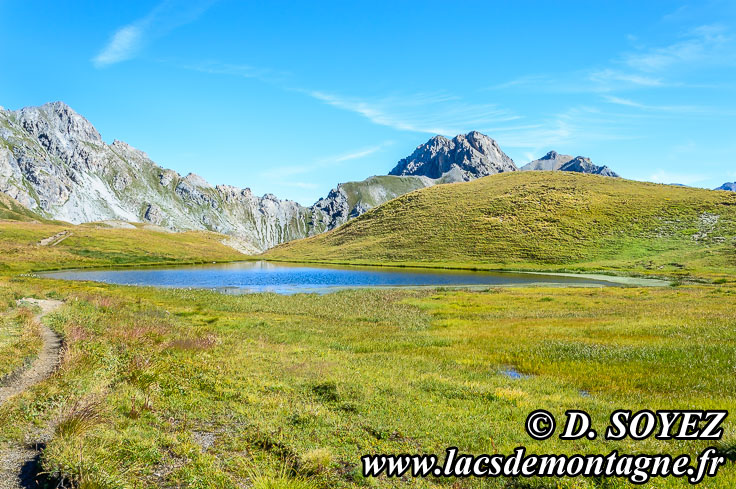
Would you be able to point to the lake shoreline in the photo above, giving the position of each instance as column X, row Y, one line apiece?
column 264, row 276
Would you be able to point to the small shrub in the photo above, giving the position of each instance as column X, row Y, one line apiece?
column 315, row 461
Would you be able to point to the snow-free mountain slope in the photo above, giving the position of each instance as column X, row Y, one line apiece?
column 538, row 218
column 474, row 155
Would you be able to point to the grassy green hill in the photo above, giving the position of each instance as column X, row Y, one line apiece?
column 29, row 242
column 539, row 220
column 92, row 245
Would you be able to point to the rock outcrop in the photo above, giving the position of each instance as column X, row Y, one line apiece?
column 581, row 164
column 553, row 161
column 474, row 155
column 550, row 162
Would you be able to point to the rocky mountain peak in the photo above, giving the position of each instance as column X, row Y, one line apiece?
column 57, row 120
column 550, row 162
column 581, row 164
column 474, row 154
column 731, row 186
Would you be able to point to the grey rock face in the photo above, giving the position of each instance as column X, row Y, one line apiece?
column 54, row 161
column 474, row 154
column 351, row 199
column 580, row 164
column 549, row 162
column 336, row 206
column 553, row 161
column 730, row 186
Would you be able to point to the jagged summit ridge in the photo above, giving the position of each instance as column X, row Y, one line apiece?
column 474, row 154
column 550, row 162
column 582, row 164
column 554, row 161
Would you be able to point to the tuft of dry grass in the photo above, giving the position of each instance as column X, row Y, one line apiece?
column 315, row 461
column 83, row 415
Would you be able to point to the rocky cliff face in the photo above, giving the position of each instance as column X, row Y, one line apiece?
column 474, row 155
column 730, row 186
column 53, row 161
column 553, row 161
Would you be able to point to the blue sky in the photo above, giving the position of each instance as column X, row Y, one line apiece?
column 291, row 97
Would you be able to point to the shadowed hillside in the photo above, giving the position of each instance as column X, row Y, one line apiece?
column 540, row 220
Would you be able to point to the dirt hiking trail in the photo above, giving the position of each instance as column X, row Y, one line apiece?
column 19, row 463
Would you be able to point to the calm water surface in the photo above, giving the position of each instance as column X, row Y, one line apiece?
column 289, row 279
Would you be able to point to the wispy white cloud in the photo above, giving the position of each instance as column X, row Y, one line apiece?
column 128, row 40
column 609, row 78
column 329, row 161
column 358, row 154
column 123, row 45
column 645, row 67
column 689, row 110
column 432, row 113
column 239, row 70
column 523, row 81
column 705, row 44
column 575, row 126
column 663, row 108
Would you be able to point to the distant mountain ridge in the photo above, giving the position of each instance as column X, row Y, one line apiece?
column 730, row 186
column 550, row 162
column 55, row 163
column 554, row 161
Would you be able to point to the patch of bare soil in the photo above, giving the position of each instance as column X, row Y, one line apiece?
column 19, row 463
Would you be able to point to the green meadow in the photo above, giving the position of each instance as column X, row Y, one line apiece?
column 197, row 389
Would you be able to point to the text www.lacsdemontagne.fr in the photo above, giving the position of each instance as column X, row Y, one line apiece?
column 638, row 468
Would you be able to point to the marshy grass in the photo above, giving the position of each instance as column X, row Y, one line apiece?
column 296, row 388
